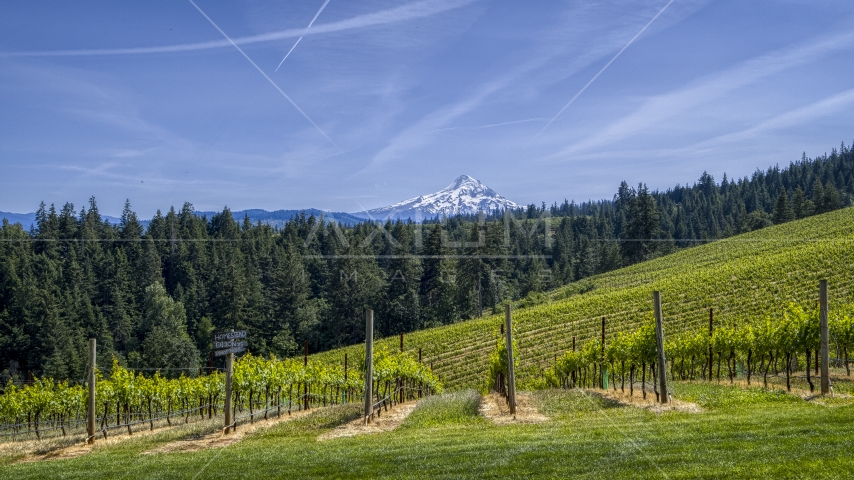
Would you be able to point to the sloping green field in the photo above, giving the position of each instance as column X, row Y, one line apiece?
column 742, row 277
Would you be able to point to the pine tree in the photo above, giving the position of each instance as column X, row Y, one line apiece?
column 357, row 285
column 802, row 206
column 292, row 315
column 402, row 312
column 818, row 197
column 832, row 199
column 783, row 211
column 472, row 272
column 643, row 226
column 167, row 345
column 431, row 271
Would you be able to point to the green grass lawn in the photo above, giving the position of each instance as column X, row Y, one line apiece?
column 740, row 434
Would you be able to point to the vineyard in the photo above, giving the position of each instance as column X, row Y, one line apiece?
column 262, row 387
column 762, row 347
column 762, row 287
column 744, row 278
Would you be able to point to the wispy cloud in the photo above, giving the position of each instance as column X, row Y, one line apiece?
column 419, row 133
column 392, row 15
column 663, row 107
column 825, row 107
column 620, row 52
column 582, row 35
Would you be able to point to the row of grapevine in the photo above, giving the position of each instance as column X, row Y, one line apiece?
column 123, row 399
column 762, row 345
column 398, row 377
column 260, row 385
column 497, row 373
column 753, row 346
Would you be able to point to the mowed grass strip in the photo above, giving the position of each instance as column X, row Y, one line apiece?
column 764, row 436
column 456, row 408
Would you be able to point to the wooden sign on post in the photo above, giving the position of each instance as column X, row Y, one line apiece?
column 229, row 343
column 232, row 335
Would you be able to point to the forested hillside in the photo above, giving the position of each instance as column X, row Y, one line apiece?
column 153, row 296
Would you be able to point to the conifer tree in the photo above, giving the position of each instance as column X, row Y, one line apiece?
column 783, row 211
column 643, row 226
column 167, row 345
column 802, row 206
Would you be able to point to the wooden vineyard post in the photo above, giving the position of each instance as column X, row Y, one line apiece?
column 369, row 364
column 345, row 380
column 825, row 353
column 659, row 338
column 711, row 331
column 305, row 365
column 90, row 404
column 572, row 374
column 602, row 357
column 229, row 369
column 511, row 373
column 399, row 382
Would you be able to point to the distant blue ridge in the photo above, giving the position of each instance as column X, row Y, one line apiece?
column 276, row 218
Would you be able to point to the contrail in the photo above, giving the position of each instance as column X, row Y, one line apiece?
column 265, row 76
column 303, row 34
column 603, row 69
column 402, row 13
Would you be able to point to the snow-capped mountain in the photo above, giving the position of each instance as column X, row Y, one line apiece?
column 465, row 196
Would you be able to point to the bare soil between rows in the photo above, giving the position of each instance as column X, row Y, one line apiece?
column 386, row 422
column 218, row 439
column 64, row 448
column 648, row 403
column 495, row 408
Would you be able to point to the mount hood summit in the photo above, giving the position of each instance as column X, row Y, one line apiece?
column 466, row 196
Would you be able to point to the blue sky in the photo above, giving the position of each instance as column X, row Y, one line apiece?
column 385, row 100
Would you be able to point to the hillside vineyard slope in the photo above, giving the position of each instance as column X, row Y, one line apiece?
column 742, row 277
